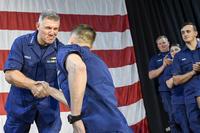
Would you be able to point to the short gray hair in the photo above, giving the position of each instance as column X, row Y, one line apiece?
column 49, row 14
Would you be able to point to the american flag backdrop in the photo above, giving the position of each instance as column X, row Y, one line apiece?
column 113, row 44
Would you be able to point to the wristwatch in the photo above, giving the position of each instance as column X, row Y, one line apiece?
column 72, row 119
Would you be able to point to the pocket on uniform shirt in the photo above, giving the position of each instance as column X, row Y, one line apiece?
column 29, row 69
column 51, row 73
column 186, row 66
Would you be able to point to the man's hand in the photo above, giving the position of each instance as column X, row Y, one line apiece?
column 196, row 67
column 198, row 101
column 39, row 89
column 167, row 61
column 78, row 127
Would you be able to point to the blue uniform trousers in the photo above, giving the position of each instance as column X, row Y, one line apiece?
column 166, row 101
column 180, row 117
column 193, row 114
column 16, row 125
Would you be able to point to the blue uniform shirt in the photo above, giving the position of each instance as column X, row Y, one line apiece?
column 182, row 64
column 26, row 56
column 99, row 110
column 177, row 96
column 156, row 62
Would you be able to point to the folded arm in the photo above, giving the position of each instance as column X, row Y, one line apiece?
column 180, row 79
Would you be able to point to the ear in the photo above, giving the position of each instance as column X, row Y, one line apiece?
column 196, row 33
column 37, row 25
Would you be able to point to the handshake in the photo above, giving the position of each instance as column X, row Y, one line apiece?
column 40, row 89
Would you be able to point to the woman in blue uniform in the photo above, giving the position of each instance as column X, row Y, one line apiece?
column 177, row 96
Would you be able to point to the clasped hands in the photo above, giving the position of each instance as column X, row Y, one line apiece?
column 40, row 89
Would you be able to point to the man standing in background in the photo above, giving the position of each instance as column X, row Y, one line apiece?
column 157, row 65
column 186, row 67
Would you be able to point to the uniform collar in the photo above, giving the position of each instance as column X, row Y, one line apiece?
column 197, row 47
column 163, row 53
column 36, row 48
column 33, row 38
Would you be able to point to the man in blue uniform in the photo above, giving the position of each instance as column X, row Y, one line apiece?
column 157, row 65
column 177, row 95
column 186, row 72
column 88, row 86
column 33, row 58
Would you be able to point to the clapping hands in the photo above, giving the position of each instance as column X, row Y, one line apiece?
column 167, row 61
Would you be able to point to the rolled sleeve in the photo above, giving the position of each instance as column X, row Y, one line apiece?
column 15, row 57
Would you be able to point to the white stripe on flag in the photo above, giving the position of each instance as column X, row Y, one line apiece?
column 104, row 40
column 89, row 7
column 134, row 113
column 4, row 86
column 124, row 76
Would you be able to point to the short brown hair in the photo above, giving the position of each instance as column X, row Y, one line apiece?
column 160, row 37
column 189, row 23
column 85, row 33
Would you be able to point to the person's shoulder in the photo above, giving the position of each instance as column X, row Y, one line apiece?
column 65, row 50
column 69, row 48
column 26, row 37
column 155, row 57
column 23, row 39
column 179, row 54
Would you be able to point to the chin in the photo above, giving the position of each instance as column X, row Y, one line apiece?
column 49, row 42
column 186, row 41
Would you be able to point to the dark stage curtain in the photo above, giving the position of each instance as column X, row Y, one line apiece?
column 149, row 19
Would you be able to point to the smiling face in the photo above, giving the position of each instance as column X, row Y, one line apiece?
column 163, row 44
column 47, row 30
column 188, row 33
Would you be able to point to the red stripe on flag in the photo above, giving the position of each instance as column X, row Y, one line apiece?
column 117, row 58
column 124, row 96
column 63, row 108
column 3, row 57
column 141, row 127
column 3, row 97
column 26, row 21
column 128, row 94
